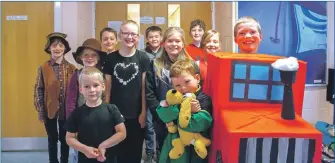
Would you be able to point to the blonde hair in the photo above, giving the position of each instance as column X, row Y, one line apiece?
column 91, row 72
column 207, row 36
column 182, row 66
column 163, row 60
column 129, row 22
column 247, row 19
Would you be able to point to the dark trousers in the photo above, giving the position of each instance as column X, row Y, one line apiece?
column 55, row 134
column 130, row 149
column 161, row 133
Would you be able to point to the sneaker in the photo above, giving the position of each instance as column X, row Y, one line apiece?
column 149, row 159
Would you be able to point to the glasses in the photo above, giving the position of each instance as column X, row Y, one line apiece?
column 127, row 34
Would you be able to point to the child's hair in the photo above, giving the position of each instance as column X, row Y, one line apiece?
column 198, row 22
column 56, row 40
column 182, row 66
column 153, row 29
column 163, row 59
column 130, row 22
column 207, row 36
column 108, row 29
column 91, row 71
column 247, row 19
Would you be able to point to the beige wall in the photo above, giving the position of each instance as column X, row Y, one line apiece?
column 77, row 22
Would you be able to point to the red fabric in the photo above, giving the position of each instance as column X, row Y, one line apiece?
column 194, row 52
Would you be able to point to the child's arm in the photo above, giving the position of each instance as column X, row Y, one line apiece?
column 39, row 96
column 72, row 95
column 119, row 136
column 108, row 83
column 72, row 141
column 150, row 91
column 142, row 118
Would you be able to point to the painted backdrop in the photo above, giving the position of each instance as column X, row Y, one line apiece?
column 296, row 29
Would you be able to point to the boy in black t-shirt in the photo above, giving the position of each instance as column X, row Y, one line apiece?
column 94, row 127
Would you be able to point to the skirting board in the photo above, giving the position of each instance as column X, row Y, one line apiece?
column 24, row 144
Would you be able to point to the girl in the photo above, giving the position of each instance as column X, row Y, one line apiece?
column 87, row 55
column 158, row 78
column 210, row 44
column 125, row 80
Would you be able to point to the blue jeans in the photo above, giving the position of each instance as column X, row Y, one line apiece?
column 73, row 156
column 149, row 135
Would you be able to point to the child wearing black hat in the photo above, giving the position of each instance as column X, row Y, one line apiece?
column 50, row 94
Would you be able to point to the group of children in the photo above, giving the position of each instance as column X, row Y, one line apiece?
column 106, row 109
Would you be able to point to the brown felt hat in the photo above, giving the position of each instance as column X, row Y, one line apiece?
column 57, row 35
column 91, row 44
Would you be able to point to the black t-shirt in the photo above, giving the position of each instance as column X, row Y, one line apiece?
column 126, row 75
column 94, row 125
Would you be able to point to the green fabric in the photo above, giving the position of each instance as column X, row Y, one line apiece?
column 199, row 122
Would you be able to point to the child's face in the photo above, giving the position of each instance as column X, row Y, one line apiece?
column 57, row 49
column 213, row 45
column 154, row 39
column 174, row 45
column 248, row 37
column 91, row 88
column 196, row 33
column 186, row 83
column 89, row 57
column 129, row 35
column 108, row 41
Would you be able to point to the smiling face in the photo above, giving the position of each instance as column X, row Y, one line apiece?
column 154, row 39
column 89, row 57
column 174, row 45
column 248, row 37
column 108, row 41
column 196, row 33
column 57, row 49
column 91, row 86
column 213, row 44
column 129, row 35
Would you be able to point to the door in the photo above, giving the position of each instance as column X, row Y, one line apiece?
column 22, row 43
column 188, row 12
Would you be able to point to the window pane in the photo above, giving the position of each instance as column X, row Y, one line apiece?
column 259, row 72
column 276, row 75
column 238, row 90
column 257, row 91
column 240, row 71
column 174, row 15
column 277, row 92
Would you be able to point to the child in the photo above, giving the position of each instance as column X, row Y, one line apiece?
column 247, row 34
column 158, row 81
column 153, row 48
column 210, row 43
column 94, row 127
column 197, row 30
column 108, row 38
column 87, row 55
column 125, row 87
column 154, row 36
column 185, row 80
column 50, row 94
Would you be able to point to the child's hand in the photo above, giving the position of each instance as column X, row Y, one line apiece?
column 101, row 157
column 91, row 152
column 195, row 106
column 164, row 103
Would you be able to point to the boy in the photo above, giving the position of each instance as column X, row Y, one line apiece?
column 247, row 34
column 154, row 36
column 197, row 30
column 185, row 80
column 49, row 95
column 94, row 127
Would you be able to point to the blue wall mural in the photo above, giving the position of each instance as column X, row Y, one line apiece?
column 296, row 29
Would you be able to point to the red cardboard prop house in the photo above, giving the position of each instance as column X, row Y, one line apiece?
column 247, row 96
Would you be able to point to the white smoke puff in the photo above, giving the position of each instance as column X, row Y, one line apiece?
column 286, row 64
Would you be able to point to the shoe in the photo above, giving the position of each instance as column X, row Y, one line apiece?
column 149, row 159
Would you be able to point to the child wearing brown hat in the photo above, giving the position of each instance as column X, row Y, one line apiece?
column 87, row 55
column 50, row 94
